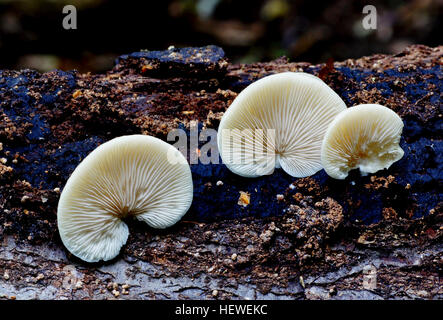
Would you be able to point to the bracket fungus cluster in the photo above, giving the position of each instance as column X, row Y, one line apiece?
column 278, row 121
column 130, row 176
column 366, row 136
column 311, row 129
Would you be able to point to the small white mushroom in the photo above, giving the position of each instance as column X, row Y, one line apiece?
column 366, row 136
column 129, row 176
column 278, row 121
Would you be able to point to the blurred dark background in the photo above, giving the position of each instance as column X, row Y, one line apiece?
column 32, row 36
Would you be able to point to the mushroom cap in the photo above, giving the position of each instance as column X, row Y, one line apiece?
column 126, row 176
column 366, row 136
column 298, row 106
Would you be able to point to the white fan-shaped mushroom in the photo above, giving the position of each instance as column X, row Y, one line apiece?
column 366, row 136
column 127, row 176
column 278, row 121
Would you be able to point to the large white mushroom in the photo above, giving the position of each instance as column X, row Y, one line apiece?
column 366, row 136
column 131, row 176
column 278, row 121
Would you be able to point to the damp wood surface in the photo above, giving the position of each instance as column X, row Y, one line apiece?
column 367, row 237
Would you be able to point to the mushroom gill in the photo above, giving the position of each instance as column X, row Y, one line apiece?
column 129, row 176
column 366, row 136
column 278, row 121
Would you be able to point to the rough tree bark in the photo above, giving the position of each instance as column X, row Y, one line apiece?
column 374, row 237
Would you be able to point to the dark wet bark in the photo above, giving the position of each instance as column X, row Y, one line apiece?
column 324, row 239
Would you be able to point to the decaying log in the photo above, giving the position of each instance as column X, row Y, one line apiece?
column 368, row 237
